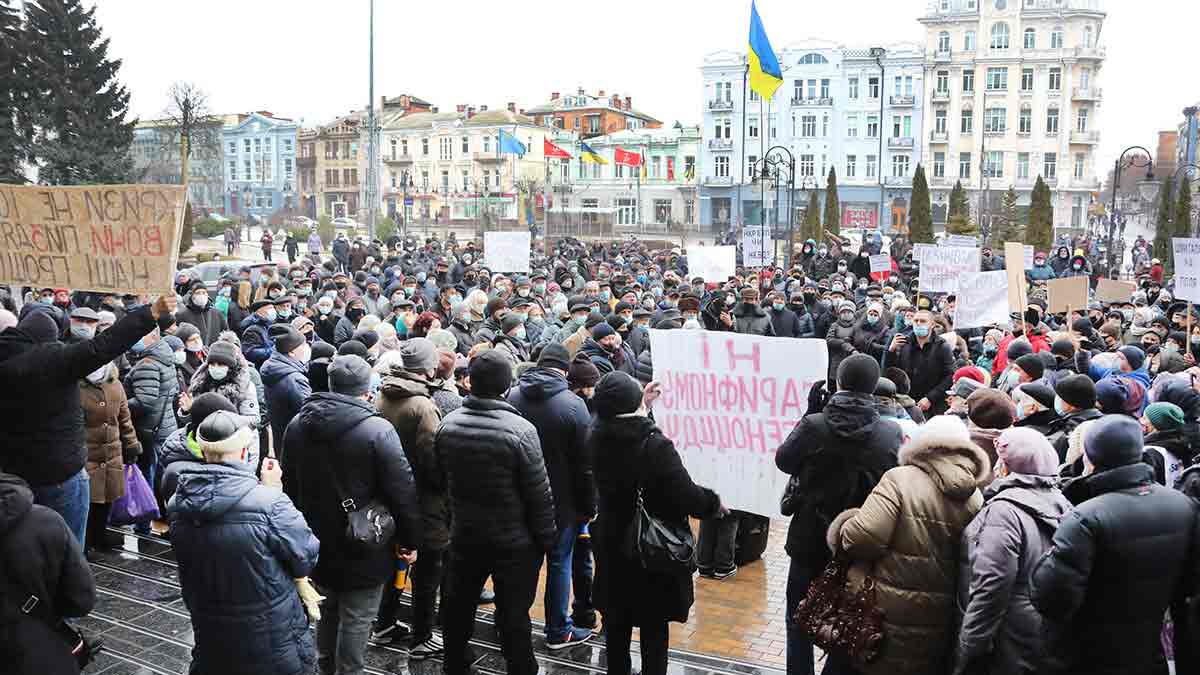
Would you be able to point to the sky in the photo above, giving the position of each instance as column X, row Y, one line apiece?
column 308, row 59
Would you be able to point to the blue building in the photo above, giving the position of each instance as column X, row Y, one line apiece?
column 260, row 165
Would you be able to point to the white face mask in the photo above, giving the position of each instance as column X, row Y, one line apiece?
column 218, row 373
column 196, row 346
column 99, row 375
column 180, row 358
column 201, row 300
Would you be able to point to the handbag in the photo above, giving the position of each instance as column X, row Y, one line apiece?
column 791, row 495
column 370, row 527
column 840, row 619
column 656, row 544
column 36, row 628
column 138, row 504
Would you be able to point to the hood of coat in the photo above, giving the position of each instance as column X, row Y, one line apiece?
column 400, row 384
column 279, row 366
column 540, row 384
column 162, row 353
column 330, row 415
column 743, row 309
column 852, row 416
column 956, row 465
column 208, row 491
column 1036, row 495
column 16, row 500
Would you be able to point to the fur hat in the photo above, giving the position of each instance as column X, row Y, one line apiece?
column 942, row 435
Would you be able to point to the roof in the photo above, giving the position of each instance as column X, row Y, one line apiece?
column 593, row 103
column 414, row 100
column 425, row 120
column 661, row 135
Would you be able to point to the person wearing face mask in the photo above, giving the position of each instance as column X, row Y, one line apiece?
column 256, row 342
column 1035, row 407
column 871, row 334
column 112, row 443
column 749, row 317
column 1061, row 262
column 802, row 327
column 823, row 265
column 83, row 322
column 607, row 350
column 154, row 389
column 193, row 346
column 511, row 341
column 226, row 372
column 285, row 376
column 840, row 338
column 355, row 310
column 991, row 344
column 326, row 319
column 928, row 362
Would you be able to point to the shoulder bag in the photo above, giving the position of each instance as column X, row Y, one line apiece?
column 369, row 527
column 656, row 544
column 840, row 619
column 37, row 628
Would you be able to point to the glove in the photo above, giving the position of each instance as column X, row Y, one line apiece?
column 130, row 454
column 310, row 598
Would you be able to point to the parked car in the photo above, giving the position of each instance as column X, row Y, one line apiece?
column 346, row 223
column 210, row 272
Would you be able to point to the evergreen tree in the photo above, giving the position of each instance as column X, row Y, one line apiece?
column 920, row 216
column 833, row 210
column 961, row 223
column 1163, row 230
column 958, row 202
column 13, row 101
column 812, row 217
column 185, row 238
column 1040, row 232
column 1183, row 210
column 78, row 106
column 1007, row 228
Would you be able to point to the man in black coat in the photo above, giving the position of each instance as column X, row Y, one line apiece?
column 1118, row 561
column 749, row 318
column 835, row 457
column 928, row 361
column 339, row 448
column 503, row 515
column 1075, row 402
column 562, row 421
column 41, row 439
column 784, row 321
column 198, row 312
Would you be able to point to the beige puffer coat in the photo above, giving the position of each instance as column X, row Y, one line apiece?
column 906, row 535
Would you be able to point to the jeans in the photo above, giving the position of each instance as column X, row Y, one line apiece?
column 718, row 537
column 799, row 646
column 581, row 580
column 344, row 628
column 71, row 499
column 427, row 576
column 655, row 641
column 514, row 575
column 558, row 583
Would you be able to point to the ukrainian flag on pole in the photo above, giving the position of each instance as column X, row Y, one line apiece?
column 765, row 74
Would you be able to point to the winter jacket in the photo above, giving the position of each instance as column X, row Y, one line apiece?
column 39, row 557
column 314, row 243
column 39, row 385
column 405, row 400
column 871, row 340
column 1060, row 263
column 513, row 350
column 562, row 420
column 840, row 343
column 629, row 450
column 930, row 369
column 607, row 361
column 785, row 323
column 210, row 322
column 907, row 537
column 461, row 331
column 343, row 437
column 286, row 381
column 152, row 403
column 237, row 388
column 341, row 250
column 326, row 326
column 1001, row 631
column 109, row 432
column 257, row 344
column 1041, row 421
column 1059, row 432
column 1040, row 273
column 1118, row 560
column 344, row 331
column 750, row 319
column 496, row 476
column 240, row 546
column 177, row 452
column 837, row 455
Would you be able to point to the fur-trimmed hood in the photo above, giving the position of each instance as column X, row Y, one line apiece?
column 943, row 449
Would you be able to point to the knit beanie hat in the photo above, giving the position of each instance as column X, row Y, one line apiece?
column 491, row 374
column 583, row 373
column 1112, row 393
column 323, row 350
column 1113, row 441
column 353, row 348
column 494, row 305
column 602, row 330
column 990, row 409
column 173, row 342
column 900, row 379
column 349, row 375
column 224, row 353
column 1032, row 365
column 1026, row 451
column 1110, row 330
column 1063, row 348
column 367, row 336
column 1164, row 416
column 555, row 355
column 1134, row 355
column 186, row 331
column 206, row 404
column 858, row 373
column 1018, row 348
column 973, row 372
column 617, row 394
column 1078, row 390
column 419, row 355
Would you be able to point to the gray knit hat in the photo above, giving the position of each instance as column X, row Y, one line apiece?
column 419, row 355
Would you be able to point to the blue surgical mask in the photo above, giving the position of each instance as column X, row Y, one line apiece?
column 777, row 306
column 872, row 319
column 605, row 295
column 989, row 349
column 521, row 333
column 921, row 331
column 908, row 322
column 1058, row 407
column 271, row 316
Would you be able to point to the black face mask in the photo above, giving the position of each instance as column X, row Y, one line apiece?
column 809, row 297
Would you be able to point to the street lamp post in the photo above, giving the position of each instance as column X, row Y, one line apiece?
column 1133, row 161
column 778, row 166
column 878, row 53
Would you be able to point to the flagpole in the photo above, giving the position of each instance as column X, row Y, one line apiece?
column 742, row 158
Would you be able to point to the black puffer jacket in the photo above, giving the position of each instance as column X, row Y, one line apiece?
column 499, row 490
column 1118, row 560
column 39, row 386
column 1059, row 431
column 344, row 436
column 606, row 361
column 239, row 546
column 286, row 380
column 38, row 557
column 210, row 322
column 562, row 421
column 838, row 454
column 750, row 319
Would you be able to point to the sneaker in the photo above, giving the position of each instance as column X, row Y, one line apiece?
column 721, row 575
column 396, row 630
column 573, row 637
column 427, row 649
column 586, row 620
column 706, row 573
column 487, row 597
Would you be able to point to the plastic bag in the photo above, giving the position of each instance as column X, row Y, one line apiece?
column 137, row 505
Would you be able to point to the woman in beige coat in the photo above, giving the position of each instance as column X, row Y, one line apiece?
column 111, row 444
column 906, row 536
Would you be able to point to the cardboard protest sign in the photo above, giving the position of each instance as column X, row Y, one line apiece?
column 1111, row 290
column 1187, row 268
column 982, row 300
column 102, row 238
column 506, row 252
column 943, row 266
column 756, row 246
column 962, row 240
column 729, row 400
column 881, row 263
column 1027, row 250
column 714, row 263
column 919, row 250
column 1067, row 294
column 1018, row 298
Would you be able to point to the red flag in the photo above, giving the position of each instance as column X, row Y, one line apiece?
column 552, row 151
column 627, row 158
column 670, row 168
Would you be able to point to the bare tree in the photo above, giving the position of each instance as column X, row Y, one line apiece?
column 187, row 125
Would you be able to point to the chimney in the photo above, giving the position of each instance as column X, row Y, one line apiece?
column 470, row 111
column 615, row 102
column 554, row 96
column 461, row 107
column 522, row 111
column 601, row 94
column 512, row 107
column 483, row 108
column 629, row 103
column 579, row 92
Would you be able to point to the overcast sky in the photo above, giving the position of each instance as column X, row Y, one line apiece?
column 308, row 58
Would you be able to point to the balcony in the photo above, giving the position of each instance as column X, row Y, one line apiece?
column 812, row 102
column 488, row 157
column 398, row 159
column 942, row 56
column 1086, row 94
column 900, row 142
column 720, row 104
column 939, row 137
column 901, row 101
column 306, row 162
column 996, row 132
column 1092, row 184
column 941, row 95
column 1085, row 137
column 720, row 144
column 1050, row 180
column 938, row 181
column 718, row 181
column 897, row 181
column 1096, row 53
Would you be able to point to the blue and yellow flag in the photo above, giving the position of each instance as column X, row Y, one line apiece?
column 765, row 73
column 510, row 145
column 587, row 154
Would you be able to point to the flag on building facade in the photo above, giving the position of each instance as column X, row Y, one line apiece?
column 670, row 168
column 587, row 154
column 552, row 151
column 626, row 158
column 510, row 145
column 765, row 73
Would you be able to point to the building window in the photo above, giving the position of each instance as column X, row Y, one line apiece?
column 812, row 88
column 233, row 170
column 939, row 121
column 899, row 166
column 825, row 88
column 943, row 82
column 1022, row 166
column 852, row 87
column 807, row 165
column 1030, row 38
column 969, row 41
column 825, row 126
column 404, row 146
column 873, row 87
column 1000, row 36
column 487, row 145
column 1027, row 79
column 247, row 170
column 808, row 126
column 852, row 125
column 654, row 166
column 753, row 95
column 1050, row 170
column 851, row 165
column 872, row 162
column 968, row 81
column 872, row 126
column 997, row 79
column 445, row 148
column 1025, row 121
column 721, row 165
column 1052, row 121
column 798, row 90
column 1081, row 121
column 627, row 211
column 964, row 165
column 995, row 120
column 752, row 125
column 897, row 85
column 1080, row 164
column 993, row 164
column 662, row 211
column 287, row 167
column 246, row 145
column 424, row 147
column 466, row 145
column 1085, row 78
column 1055, row 79
column 1087, row 37
column 1056, row 38
column 939, row 165
column 751, row 170
column 943, row 43
column 968, row 122
column 689, row 167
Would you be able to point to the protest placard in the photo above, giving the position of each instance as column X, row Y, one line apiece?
column 1067, row 294
column 714, row 263
column 1017, row 287
column 960, row 240
column 1027, row 251
column 102, row 238
column 982, row 300
column 729, row 400
column 506, row 252
column 942, row 267
column 1187, row 268
column 1112, row 290
column 919, row 250
column 881, row 263
column 756, row 246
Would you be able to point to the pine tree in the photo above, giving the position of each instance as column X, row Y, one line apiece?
column 1007, row 228
column 1183, row 210
column 1040, row 232
column 185, row 239
column 13, row 101
column 1163, row 230
column 961, row 223
column 812, row 216
column 958, row 202
column 78, row 105
column 920, row 216
column 833, row 210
